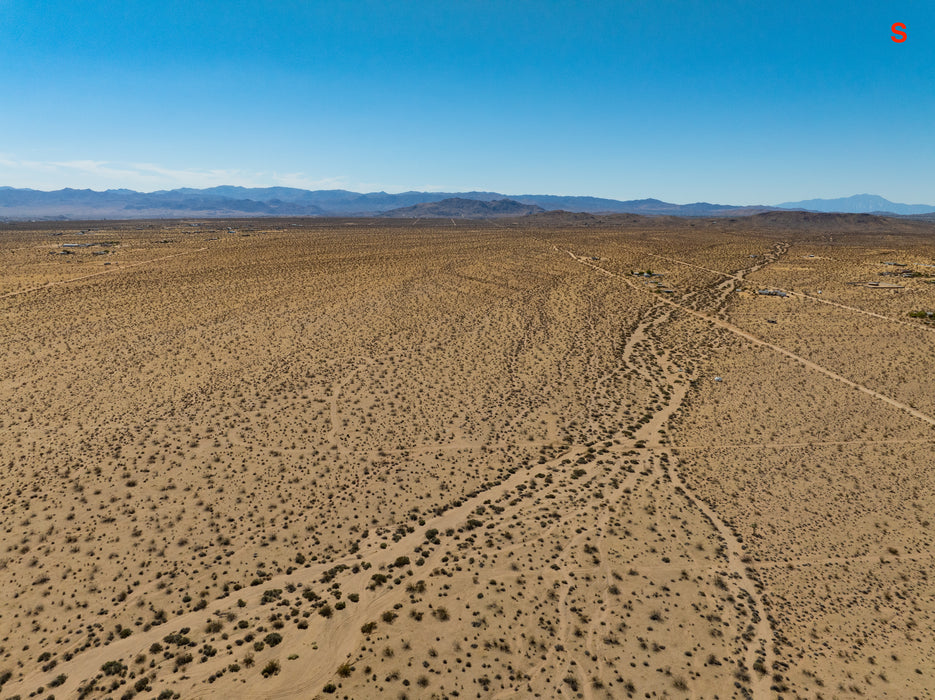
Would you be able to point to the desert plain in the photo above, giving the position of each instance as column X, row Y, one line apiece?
column 557, row 456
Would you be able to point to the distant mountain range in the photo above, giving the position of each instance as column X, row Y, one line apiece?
column 230, row 201
column 859, row 204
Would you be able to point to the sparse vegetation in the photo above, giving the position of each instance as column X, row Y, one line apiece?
column 509, row 470
column 271, row 669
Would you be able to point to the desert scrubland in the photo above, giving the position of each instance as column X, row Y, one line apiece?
column 552, row 457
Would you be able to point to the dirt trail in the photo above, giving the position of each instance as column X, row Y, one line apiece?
column 740, row 278
column 810, row 443
column 759, row 341
column 809, row 364
column 728, row 286
column 758, row 640
column 568, row 573
column 759, row 649
column 111, row 271
column 342, row 631
column 759, row 637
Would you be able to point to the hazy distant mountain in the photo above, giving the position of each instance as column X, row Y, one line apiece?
column 457, row 207
column 231, row 201
column 655, row 207
column 127, row 204
column 859, row 204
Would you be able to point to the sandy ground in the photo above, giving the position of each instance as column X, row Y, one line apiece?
column 362, row 459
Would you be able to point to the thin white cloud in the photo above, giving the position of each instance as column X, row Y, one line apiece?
column 303, row 181
column 100, row 175
column 147, row 177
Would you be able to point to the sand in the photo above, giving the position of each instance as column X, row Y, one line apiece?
column 405, row 459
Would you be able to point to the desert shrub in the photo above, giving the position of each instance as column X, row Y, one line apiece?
column 271, row 669
column 273, row 638
column 178, row 638
column 271, row 595
column 113, row 668
column 214, row 626
column 368, row 627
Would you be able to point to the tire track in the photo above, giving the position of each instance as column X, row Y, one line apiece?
column 790, row 292
column 772, row 346
column 113, row 270
column 758, row 646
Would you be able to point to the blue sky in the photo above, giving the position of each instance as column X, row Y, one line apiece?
column 732, row 102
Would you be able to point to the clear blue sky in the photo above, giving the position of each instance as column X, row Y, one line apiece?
column 731, row 102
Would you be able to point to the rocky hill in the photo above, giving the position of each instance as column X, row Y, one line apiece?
column 458, row 208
